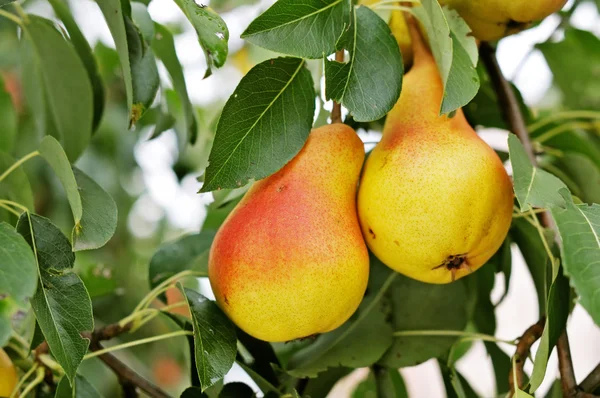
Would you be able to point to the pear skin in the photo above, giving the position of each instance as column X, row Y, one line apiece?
column 495, row 19
column 290, row 261
column 435, row 202
column 8, row 375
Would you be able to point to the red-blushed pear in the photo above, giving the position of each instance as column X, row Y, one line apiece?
column 434, row 202
column 494, row 19
column 290, row 261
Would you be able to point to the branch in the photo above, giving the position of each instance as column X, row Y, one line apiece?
column 336, row 111
column 531, row 335
column 127, row 376
column 514, row 118
column 592, row 381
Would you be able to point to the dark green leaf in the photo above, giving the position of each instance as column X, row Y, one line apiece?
column 187, row 253
column 432, row 307
column 16, row 185
column 533, row 187
column 322, row 385
column 369, row 83
column 214, row 338
column 81, row 389
column 263, row 125
column 5, row 2
column 557, row 312
column 61, row 303
column 236, row 390
column 502, row 366
column 19, row 276
column 584, row 173
column 99, row 219
column 113, row 14
column 66, row 84
column 87, row 57
column 212, row 32
column 264, row 360
column 193, row 392
column 360, row 342
column 389, row 383
column 306, row 28
column 579, row 227
column 8, row 115
column 164, row 46
column 262, row 383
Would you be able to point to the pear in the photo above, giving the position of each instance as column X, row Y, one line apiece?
column 8, row 375
column 494, row 19
column 435, row 201
column 290, row 261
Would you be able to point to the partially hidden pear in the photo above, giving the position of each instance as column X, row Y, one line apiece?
column 434, row 201
column 290, row 260
column 494, row 19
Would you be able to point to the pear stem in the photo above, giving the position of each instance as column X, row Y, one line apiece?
column 513, row 116
column 336, row 110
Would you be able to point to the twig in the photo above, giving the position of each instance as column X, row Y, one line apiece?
column 592, row 381
column 336, row 110
column 565, row 365
column 531, row 335
column 127, row 376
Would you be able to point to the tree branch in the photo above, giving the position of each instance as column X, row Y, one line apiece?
column 531, row 335
column 592, row 381
column 336, row 110
column 514, row 118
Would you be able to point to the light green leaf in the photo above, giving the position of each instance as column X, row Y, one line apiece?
column 187, row 253
column 263, row 125
column 66, row 84
column 61, row 304
column 81, row 389
column 8, row 115
column 305, row 28
column 462, row 34
column 212, row 32
column 369, row 83
column 214, row 338
column 579, row 228
column 5, row 2
column 164, row 46
column 16, row 185
column 533, row 187
column 99, row 218
column 18, row 275
column 87, row 57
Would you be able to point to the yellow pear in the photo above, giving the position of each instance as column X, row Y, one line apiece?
column 494, row 19
column 290, row 261
column 434, row 202
column 8, row 375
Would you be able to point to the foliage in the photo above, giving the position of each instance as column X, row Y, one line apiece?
column 83, row 243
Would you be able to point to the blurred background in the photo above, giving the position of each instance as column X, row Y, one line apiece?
column 155, row 185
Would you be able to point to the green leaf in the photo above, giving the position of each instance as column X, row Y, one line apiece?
column 5, row 2
column 81, row 389
column 214, row 338
column 66, row 84
column 262, row 383
column 502, row 366
column 164, row 46
column 61, row 303
column 456, row 385
column 263, row 125
column 305, row 28
column 8, row 115
column 579, row 228
column 193, row 392
column 113, row 14
column 578, row 83
column 432, row 307
column 84, row 51
column 584, row 173
column 18, row 276
column 557, row 312
column 16, row 185
column 144, row 72
column 187, row 253
column 389, row 383
column 236, row 390
column 533, row 187
column 212, row 32
column 454, row 51
column 369, row 83
column 359, row 342
column 99, row 218
column 53, row 153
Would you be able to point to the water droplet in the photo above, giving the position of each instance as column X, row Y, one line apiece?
column 220, row 35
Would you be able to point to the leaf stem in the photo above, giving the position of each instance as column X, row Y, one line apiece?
column 391, row 7
column 336, row 110
column 20, row 161
column 138, row 342
column 151, row 314
column 23, row 380
column 20, row 11
column 562, row 129
column 39, row 377
column 594, row 115
column 540, row 230
column 455, row 333
column 10, row 209
column 11, row 17
column 161, row 288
